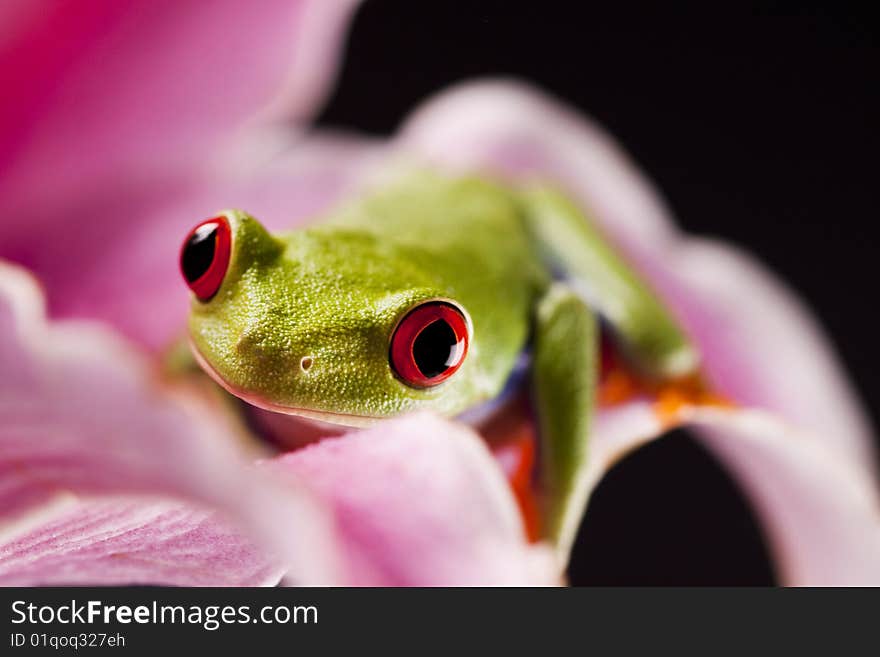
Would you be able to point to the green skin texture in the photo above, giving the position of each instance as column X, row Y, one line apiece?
column 334, row 293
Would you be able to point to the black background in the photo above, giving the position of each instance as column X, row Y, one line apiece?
column 757, row 124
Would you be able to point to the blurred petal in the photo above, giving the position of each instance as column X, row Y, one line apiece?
column 81, row 413
column 420, row 502
column 511, row 129
column 317, row 50
column 108, row 92
column 762, row 346
column 128, row 540
column 821, row 514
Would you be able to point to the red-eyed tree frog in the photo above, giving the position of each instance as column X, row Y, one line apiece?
column 426, row 293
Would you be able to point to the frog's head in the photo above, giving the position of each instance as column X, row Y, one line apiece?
column 328, row 324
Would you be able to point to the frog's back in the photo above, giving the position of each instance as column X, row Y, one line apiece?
column 464, row 228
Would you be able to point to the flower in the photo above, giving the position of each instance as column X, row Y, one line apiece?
column 134, row 120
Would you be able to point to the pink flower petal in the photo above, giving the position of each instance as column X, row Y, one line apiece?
column 820, row 511
column 128, row 540
column 421, row 502
column 822, row 518
column 108, row 92
column 82, row 413
column 763, row 348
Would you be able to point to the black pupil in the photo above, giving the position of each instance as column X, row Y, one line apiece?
column 198, row 253
column 433, row 347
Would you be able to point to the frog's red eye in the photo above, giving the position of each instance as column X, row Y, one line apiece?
column 204, row 257
column 429, row 344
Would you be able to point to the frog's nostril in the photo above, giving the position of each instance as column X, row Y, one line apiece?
column 306, row 363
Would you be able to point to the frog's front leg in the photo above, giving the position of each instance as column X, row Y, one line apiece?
column 564, row 377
